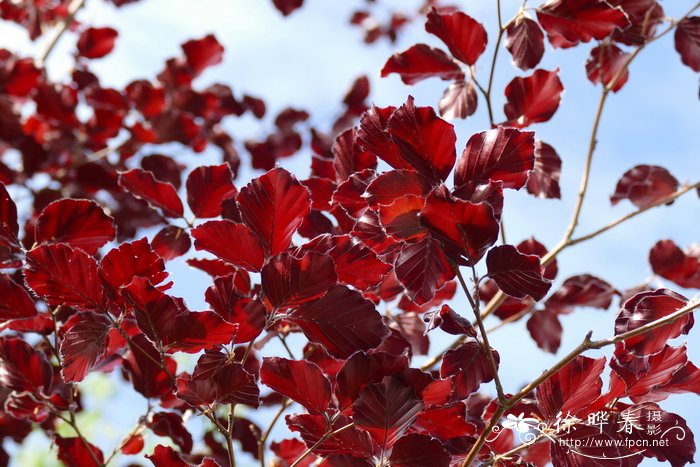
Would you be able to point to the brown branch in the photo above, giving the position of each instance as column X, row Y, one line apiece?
column 65, row 24
column 263, row 439
column 140, row 426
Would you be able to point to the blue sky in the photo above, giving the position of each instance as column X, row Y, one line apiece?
column 309, row 59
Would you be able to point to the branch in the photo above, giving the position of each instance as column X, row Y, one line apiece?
column 266, row 435
column 140, row 426
column 67, row 22
column 587, row 344
column 330, row 434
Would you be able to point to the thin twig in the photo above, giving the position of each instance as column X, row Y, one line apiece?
column 65, row 24
column 140, row 426
column 263, row 439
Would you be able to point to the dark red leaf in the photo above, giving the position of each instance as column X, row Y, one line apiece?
column 16, row 302
column 412, row 328
column 449, row 321
column 349, row 441
column 213, row 267
column 164, row 168
column 342, row 321
column 286, row 7
column 133, row 445
column 503, row 154
column 674, row 264
column 568, row 22
column 361, row 369
column 582, row 290
column 164, row 456
column 64, row 276
column 525, row 42
column 207, row 188
column 533, row 99
column 422, row 268
column 10, row 252
column 543, row 181
column 74, row 451
column 416, row 450
column 234, row 243
column 546, row 330
column 606, row 64
column 571, row 389
column 466, row 230
column 171, row 425
column 469, row 365
column 274, row 206
column 142, row 364
column 425, row 142
column 401, row 218
column 517, row 274
column 394, row 184
column 644, row 186
column 129, row 260
column 420, row 62
column 83, row 345
column 96, row 42
column 225, row 299
column 644, row 17
column 80, row 223
column 171, row 242
column 202, row 53
column 531, row 246
column 386, row 410
column 301, row 381
column 288, row 281
column 646, row 307
column 687, row 40
column 349, row 157
column 462, row 34
column 144, row 185
column 445, row 422
column 458, row 101
column 22, row 368
column 372, row 137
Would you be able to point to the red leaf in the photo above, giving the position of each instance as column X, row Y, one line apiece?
column 342, row 321
column 64, row 276
column 462, row 34
column 644, row 186
column 425, row 142
column 568, row 22
column 274, row 206
column 349, row 158
column 543, row 181
column 234, row 243
column 144, row 185
column 213, row 267
column 10, row 251
column 166, row 320
column 372, row 137
column 171, row 425
column 96, row 42
column 458, row 101
column 207, row 188
column 286, row 7
column 422, row 269
column 546, row 330
column 142, row 364
column 394, row 184
column 420, row 62
column 571, row 389
column 164, row 456
column 401, row 218
column 581, row 290
column 80, row 223
column 386, row 410
column 646, row 307
column 133, row 445
column 525, row 42
column 129, row 260
column 83, row 345
column 416, row 450
column 466, row 230
column 412, row 328
column 533, row 99
column 449, row 321
column 517, row 274
column 301, row 381
column 312, row 428
column 202, row 53
column 74, row 451
column 687, row 40
column 469, row 365
column 445, row 422
column 288, row 281
column 644, row 17
column 171, row 242
column 22, row 368
column 503, row 154
column 227, row 301
column 361, row 369
column 604, row 65
column 16, row 302
column 674, row 264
